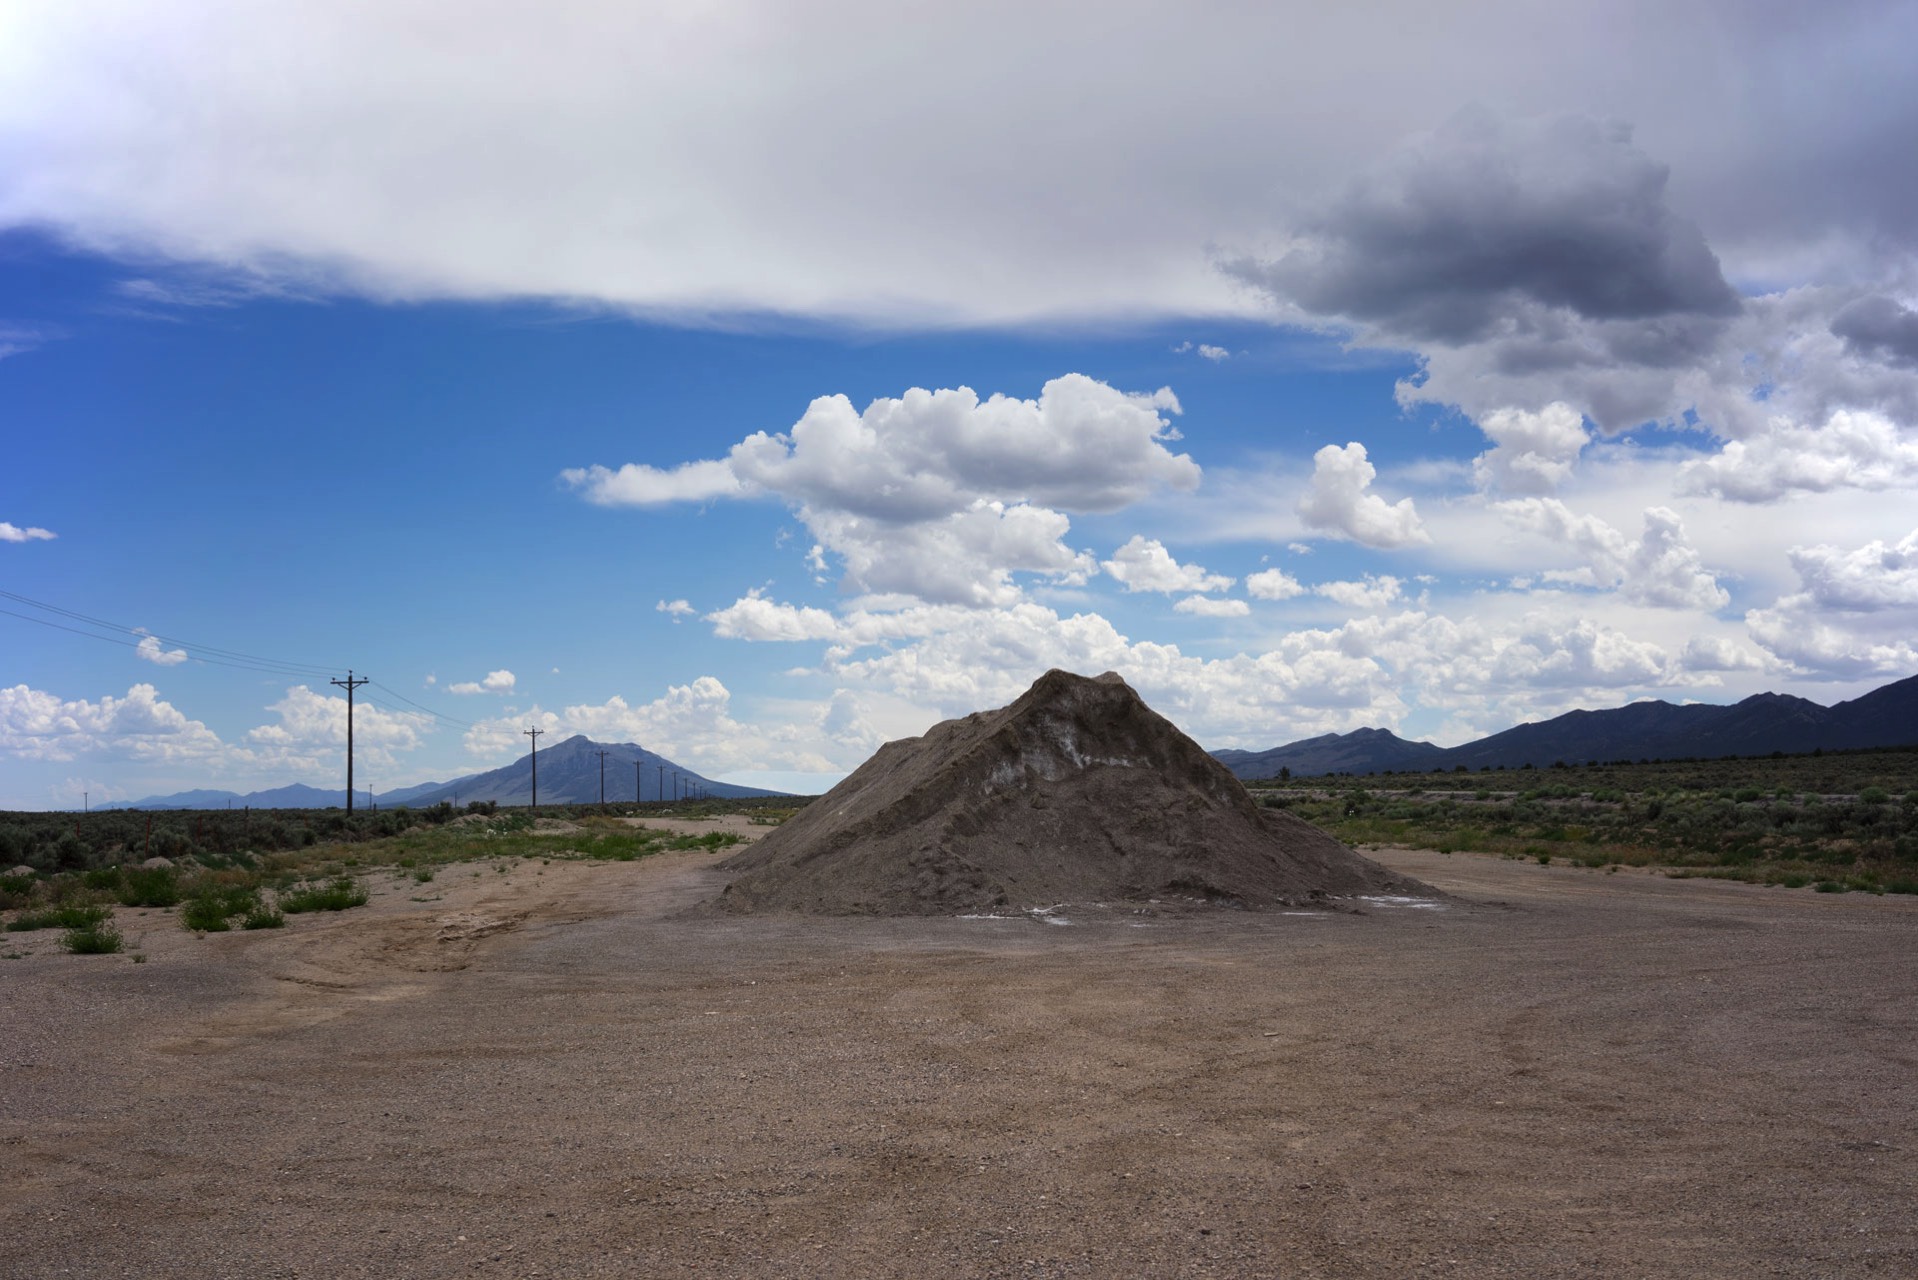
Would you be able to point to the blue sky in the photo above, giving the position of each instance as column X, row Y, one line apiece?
column 1332, row 392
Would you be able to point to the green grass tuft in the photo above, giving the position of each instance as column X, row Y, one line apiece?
column 97, row 939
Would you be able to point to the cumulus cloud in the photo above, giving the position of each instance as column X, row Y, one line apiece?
column 150, row 650
column 495, row 682
column 1143, row 564
column 37, row 725
column 675, row 609
column 1212, row 607
column 310, row 725
column 945, row 496
column 1372, row 593
column 1659, row 568
column 1367, row 671
column 1873, row 577
column 10, row 532
column 1532, row 453
column 1852, row 450
column 1273, row 584
column 1339, row 502
column 1855, row 613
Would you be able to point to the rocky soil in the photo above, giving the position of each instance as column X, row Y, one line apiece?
column 554, row 1071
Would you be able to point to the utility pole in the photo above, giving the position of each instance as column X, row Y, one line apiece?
column 661, row 795
column 534, row 735
column 349, row 684
column 638, row 781
column 602, row 781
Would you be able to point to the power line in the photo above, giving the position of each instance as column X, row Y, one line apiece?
column 209, row 654
column 464, row 724
column 200, row 652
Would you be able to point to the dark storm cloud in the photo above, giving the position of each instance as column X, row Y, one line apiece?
column 1879, row 327
column 1488, row 226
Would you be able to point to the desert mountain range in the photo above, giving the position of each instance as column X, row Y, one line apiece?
column 1651, row 730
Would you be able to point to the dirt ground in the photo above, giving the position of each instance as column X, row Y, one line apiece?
column 545, row 1071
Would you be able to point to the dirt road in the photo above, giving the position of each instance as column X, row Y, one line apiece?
column 545, row 1071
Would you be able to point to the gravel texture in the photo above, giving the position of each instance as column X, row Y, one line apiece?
column 553, row 1070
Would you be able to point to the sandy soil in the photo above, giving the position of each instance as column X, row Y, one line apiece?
column 546, row 1071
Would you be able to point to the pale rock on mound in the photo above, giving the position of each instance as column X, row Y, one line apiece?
column 1076, row 793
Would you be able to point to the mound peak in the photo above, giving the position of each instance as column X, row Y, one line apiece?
column 1076, row 792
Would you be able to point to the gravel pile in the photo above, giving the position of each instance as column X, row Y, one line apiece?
column 1076, row 793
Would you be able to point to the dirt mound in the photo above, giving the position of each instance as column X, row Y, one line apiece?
column 1078, row 792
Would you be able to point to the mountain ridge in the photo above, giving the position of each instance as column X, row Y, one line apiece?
column 1653, row 729
column 569, row 773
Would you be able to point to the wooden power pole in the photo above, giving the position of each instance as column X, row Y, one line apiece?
column 534, row 735
column 349, row 684
column 602, row 781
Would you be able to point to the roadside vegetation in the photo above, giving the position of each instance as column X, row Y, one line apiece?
column 218, row 885
column 1832, row 821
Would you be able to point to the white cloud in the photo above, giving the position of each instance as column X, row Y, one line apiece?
column 150, row 650
column 10, row 532
column 563, row 167
column 1855, row 614
column 141, row 726
column 753, row 617
column 1368, row 671
column 1715, row 653
column 637, row 485
column 1873, row 577
column 1273, row 584
column 675, row 609
column 1852, row 450
column 495, row 682
column 1532, row 453
column 1828, row 647
column 1143, row 564
column 1339, row 503
column 1212, row 607
column 1660, row 568
column 312, row 724
column 1373, row 593
column 945, row 496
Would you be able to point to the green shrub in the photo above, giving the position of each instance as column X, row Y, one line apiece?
column 1873, row 795
column 1829, row 886
column 335, row 895
column 97, row 939
column 204, row 915
column 15, row 891
column 149, row 887
column 79, row 917
column 263, row 917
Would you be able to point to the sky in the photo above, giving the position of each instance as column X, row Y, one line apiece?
column 760, row 383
